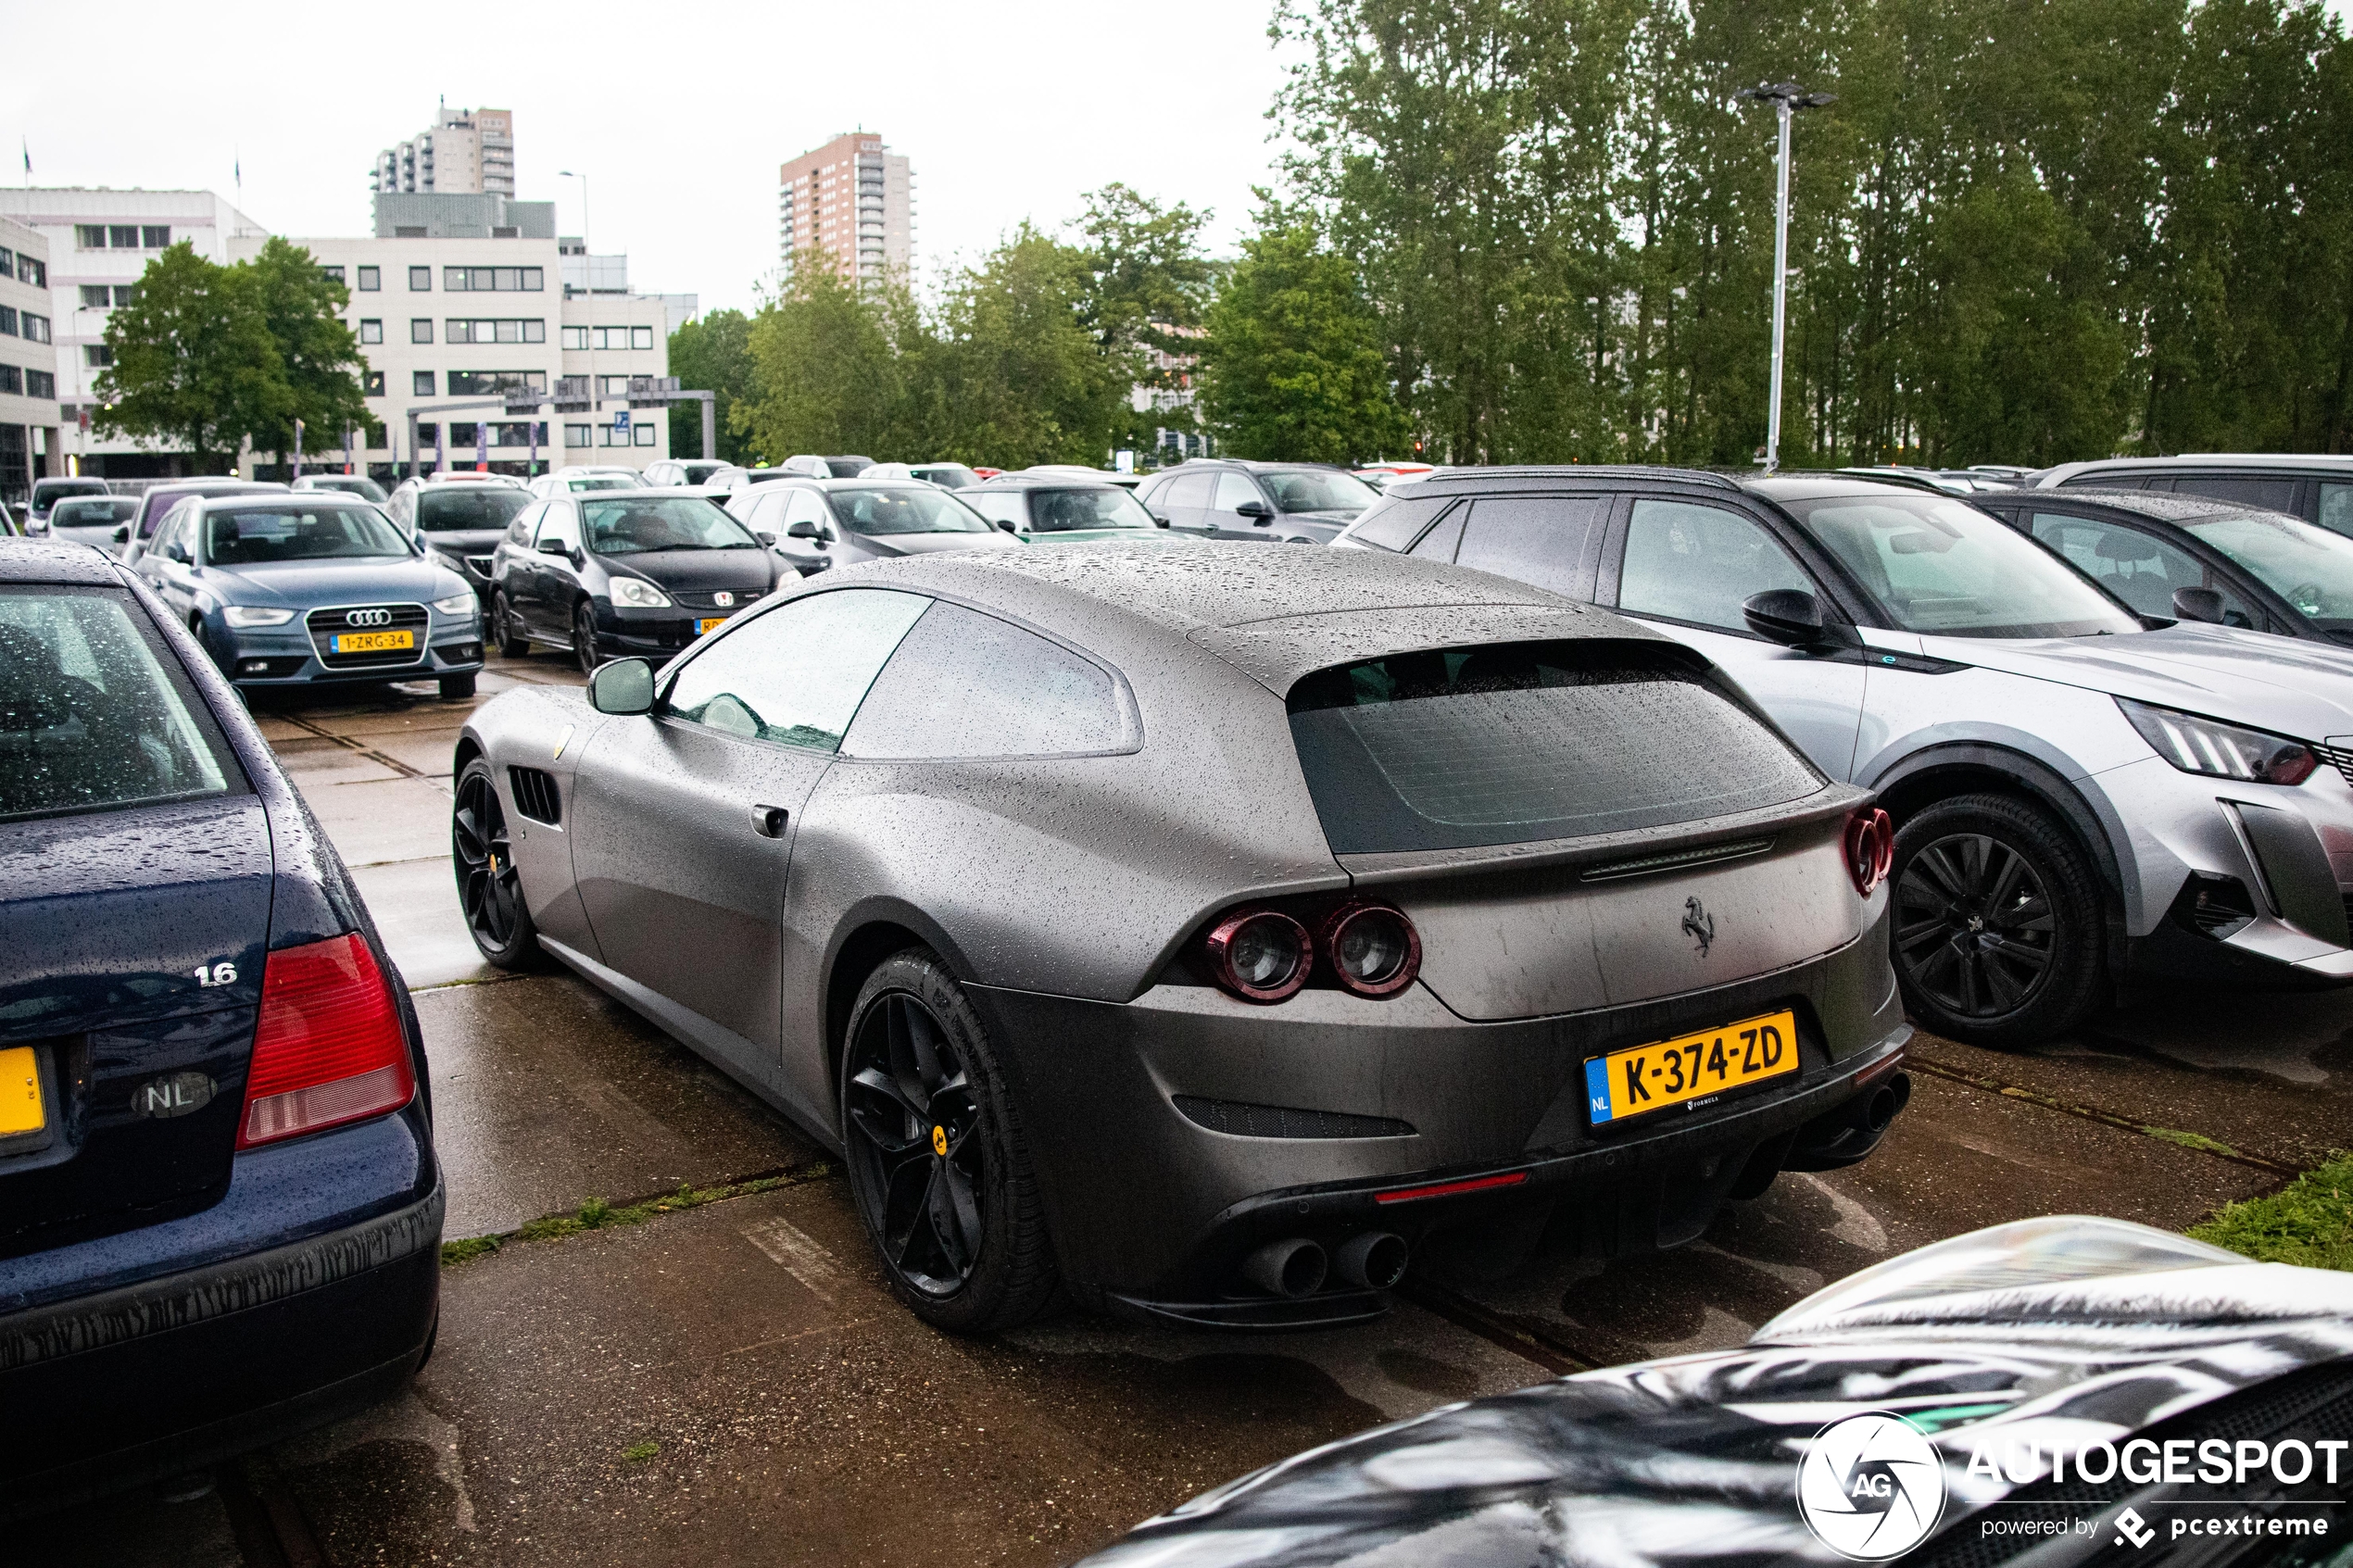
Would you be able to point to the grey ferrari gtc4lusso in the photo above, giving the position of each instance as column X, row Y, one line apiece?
column 1198, row 931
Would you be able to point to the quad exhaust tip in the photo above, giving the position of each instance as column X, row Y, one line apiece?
column 1373, row 1260
column 1291, row 1268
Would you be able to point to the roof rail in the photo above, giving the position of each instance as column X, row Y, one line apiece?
column 1582, row 470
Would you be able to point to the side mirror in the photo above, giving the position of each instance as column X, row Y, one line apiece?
column 2198, row 604
column 122, row 534
column 625, row 686
column 804, row 529
column 1258, row 510
column 555, row 547
column 1159, row 521
column 1791, row 617
column 1007, row 524
column 764, row 536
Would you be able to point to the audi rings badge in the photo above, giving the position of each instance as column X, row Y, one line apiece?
column 367, row 617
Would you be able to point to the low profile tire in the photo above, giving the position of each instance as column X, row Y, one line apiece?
column 938, row 1165
column 456, row 686
column 1997, row 922
column 584, row 637
column 512, row 644
column 489, row 892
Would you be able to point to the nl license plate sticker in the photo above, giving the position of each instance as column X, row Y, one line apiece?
column 21, row 1109
column 1642, row 1079
column 374, row 642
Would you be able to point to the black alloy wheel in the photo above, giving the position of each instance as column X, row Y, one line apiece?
column 489, row 891
column 509, row 632
column 584, row 637
column 937, row 1165
column 1997, row 923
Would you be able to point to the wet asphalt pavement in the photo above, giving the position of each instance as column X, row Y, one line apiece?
column 730, row 1383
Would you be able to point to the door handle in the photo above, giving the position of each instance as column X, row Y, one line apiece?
column 768, row 822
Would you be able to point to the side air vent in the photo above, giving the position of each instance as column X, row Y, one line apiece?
column 535, row 794
column 1676, row 861
column 2217, row 906
column 1279, row 1122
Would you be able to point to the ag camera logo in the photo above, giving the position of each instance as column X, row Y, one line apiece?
column 1870, row 1487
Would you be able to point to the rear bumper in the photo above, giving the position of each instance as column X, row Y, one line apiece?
column 181, row 1368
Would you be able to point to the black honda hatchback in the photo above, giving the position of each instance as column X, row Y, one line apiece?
column 219, row 1207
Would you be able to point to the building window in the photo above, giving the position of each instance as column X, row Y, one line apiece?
column 157, row 236
column 96, row 296
column 612, row 386
column 641, row 337
column 428, row 435
column 496, row 332
column 36, row 328
column 419, row 329
column 333, row 274
column 374, row 382
column 32, row 271
column 40, row 383
column 9, row 319
column 419, row 280
column 11, row 380
column 624, row 337
column 461, row 435
column 123, row 236
column 615, row 436
column 577, row 435
column 96, row 355
column 371, row 332
column 487, row 280
column 644, row 433
column 7, row 262
column 575, row 338
column 90, row 236
column 493, row 383
column 126, row 293
column 420, row 385
column 371, row 280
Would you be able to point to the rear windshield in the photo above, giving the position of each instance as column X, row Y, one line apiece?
column 469, row 508
column 92, row 511
column 1515, row 742
column 904, row 510
column 1075, row 511
column 94, row 713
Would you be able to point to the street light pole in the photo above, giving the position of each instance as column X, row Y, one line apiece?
column 1787, row 98
column 568, row 174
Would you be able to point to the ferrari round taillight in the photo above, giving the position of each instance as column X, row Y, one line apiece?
column 1373, row 948
column 328, row 1047
column 1870, row 848
column 1259, row 955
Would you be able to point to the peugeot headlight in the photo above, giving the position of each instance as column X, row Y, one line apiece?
column 2197, row 745
column 243, row 616
column 455, row 604
column 638, row 594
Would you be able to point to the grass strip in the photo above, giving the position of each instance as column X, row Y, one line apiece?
column 2310, row 1222
column 597, row 1213
column 2197, row 1141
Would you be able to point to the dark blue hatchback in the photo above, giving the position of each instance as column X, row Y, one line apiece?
column 219, row 1209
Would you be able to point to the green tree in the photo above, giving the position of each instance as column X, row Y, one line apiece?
column 1148, row 283
column 193, row 362
column 318, row 354
column 712, row 353
column 1294, row 366
column 825, row 366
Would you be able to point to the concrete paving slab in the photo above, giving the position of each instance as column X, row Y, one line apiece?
column 373, row 727
column 546, row 1092
column 416, row 910
column 396, row 820
column 671, row 1394
column 430, row 752
column 324, row 764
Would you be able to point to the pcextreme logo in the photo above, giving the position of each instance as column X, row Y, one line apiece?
column 1870, row 1487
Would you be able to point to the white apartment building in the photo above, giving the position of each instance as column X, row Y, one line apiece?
column 853, row 199
column 28, row 433
column 466, row 152
column 98, row 241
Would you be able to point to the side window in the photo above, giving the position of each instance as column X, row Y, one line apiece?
column 2337, row 507
column 968, row 684
column 1233, row 490
column 1440, row 543
column 1691, row 562
column 2271, row 494
column 559, row 524
column 1191, row 490
column 2115, row 482
column 1393, row 522
column 2138, row 567
column 998, row 506
column 797, row 675
column 806, row 506
column 518, row 532
column 1539, row 540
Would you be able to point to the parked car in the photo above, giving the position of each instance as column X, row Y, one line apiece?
column 2081, row 803
column 947, row 476
column 2318, row 489
column 1292, row 503
column 47, row 493
column 159, row 499
column 349, row 484
column 1530, row 908
column 460, row 523
column 1045, row 506
column 816, row 524
column 733, row 478
column 224, row 1216
column 285, row 590
column 2187, row 557
column 684, row 471
column 1950, row 1406
column 840, row 467
column 95, row 520
column 611, row 573
column 571, row 481
column 1380, row 476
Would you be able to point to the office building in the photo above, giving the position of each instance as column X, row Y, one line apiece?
column 586, row 274
column 466, row 152
column 29, row 443
column 98, row 241
column 853, row 200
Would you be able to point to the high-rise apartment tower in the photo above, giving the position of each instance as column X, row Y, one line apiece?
column 467, row 152
column 854, row 200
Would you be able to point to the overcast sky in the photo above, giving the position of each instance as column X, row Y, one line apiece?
column 679, row 113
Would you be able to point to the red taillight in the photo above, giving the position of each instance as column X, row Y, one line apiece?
column 328, row 1049
column 1870, row 848
column 1259, row 955
column 1373, row 948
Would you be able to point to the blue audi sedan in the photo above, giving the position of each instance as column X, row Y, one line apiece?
column 219, row 1209
column 293, row 590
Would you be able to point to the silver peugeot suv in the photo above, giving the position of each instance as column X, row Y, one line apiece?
column 2085, row 799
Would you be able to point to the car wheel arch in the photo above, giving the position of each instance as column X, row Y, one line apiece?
column 1977, row 769
column 868, row 936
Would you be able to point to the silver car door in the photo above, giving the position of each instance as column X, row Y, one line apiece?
column 1686, row 567
column 684, row 818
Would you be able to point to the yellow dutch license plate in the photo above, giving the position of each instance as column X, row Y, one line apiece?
column 709, row 624
column 374, row 642
column 1689, row 1067
column 21, row 1107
